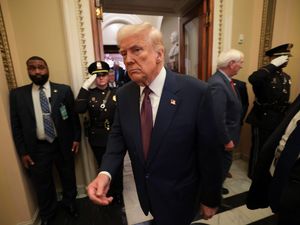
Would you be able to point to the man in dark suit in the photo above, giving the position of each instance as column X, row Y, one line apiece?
column 241, row 88
column 271, row 86
column 227, row 104
column 175, row 161
column 121, row 76
column 43, row 138
column 276, row 177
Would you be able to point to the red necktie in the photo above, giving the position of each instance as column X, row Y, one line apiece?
column 232, row 86
column 146, row 120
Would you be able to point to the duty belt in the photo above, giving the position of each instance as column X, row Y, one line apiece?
column 272, row 106
column 102, row 124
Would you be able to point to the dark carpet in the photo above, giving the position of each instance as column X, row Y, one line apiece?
column 91, row 214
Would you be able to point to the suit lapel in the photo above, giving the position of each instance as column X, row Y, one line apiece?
column 236, row 96
column 29, row 100
column 133, row 118
column 165, row 113
column 54, row 94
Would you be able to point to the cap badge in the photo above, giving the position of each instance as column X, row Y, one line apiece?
column 99, row 65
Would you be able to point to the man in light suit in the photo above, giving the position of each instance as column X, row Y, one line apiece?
column 181, row 172
column 276, row 177
column 37, row 150
column 227, row 104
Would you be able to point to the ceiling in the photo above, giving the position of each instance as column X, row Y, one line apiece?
column 149, row 7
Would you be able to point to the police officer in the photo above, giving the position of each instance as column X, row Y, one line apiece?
column 271, row 87
column 99, row 100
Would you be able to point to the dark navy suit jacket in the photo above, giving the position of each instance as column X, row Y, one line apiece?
column 228, row 108
column 183, row 165
column 23, row 121
column 288, row 197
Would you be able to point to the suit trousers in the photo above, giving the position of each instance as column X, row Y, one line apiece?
column 45, row 157
column 227, row 162
column 259, row 137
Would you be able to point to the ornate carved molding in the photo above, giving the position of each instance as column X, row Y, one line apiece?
column 220, row 33
column 82, row 36
column 6, row 56
column 266, row 30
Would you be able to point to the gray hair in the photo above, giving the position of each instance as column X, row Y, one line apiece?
column 154, row 35
column 227, row 56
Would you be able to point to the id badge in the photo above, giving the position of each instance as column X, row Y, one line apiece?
column 63, row 112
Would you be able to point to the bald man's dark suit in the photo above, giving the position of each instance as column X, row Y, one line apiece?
column 183, row 165
column 241, row 88
column 23, row 118
column 43, row 154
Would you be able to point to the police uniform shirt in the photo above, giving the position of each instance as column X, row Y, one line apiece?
column 101, row 106
column 100, row 113
column 270, row 85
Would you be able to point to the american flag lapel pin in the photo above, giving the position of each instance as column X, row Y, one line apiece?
column 173, row 102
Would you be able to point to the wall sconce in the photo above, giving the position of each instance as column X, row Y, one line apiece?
column 99, row 10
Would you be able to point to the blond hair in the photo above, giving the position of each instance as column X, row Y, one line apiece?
column 154, row 35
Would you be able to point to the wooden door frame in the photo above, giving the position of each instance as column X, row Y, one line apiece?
column 204, row 11
column 97, row 33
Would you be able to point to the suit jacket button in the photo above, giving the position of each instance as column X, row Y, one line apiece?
column 147, row 175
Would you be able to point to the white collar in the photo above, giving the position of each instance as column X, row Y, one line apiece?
column 157, row 84
column 227, row 77
column 37, row 87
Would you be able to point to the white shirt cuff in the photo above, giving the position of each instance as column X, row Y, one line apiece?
column 106, row 173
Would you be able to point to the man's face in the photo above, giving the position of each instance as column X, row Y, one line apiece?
column 111, row 77
column 37, row 68
column 38, row 71
column 236, row 66
column 142, row 62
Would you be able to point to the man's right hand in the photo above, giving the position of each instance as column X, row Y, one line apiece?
column 97, row 190
column 280, row 60
column 27, row 161
column 88, row 82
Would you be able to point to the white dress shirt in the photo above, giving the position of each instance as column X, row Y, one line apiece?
column 156, row 87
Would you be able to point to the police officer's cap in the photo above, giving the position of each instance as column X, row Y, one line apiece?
column 284, row 49
column 99, row 68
